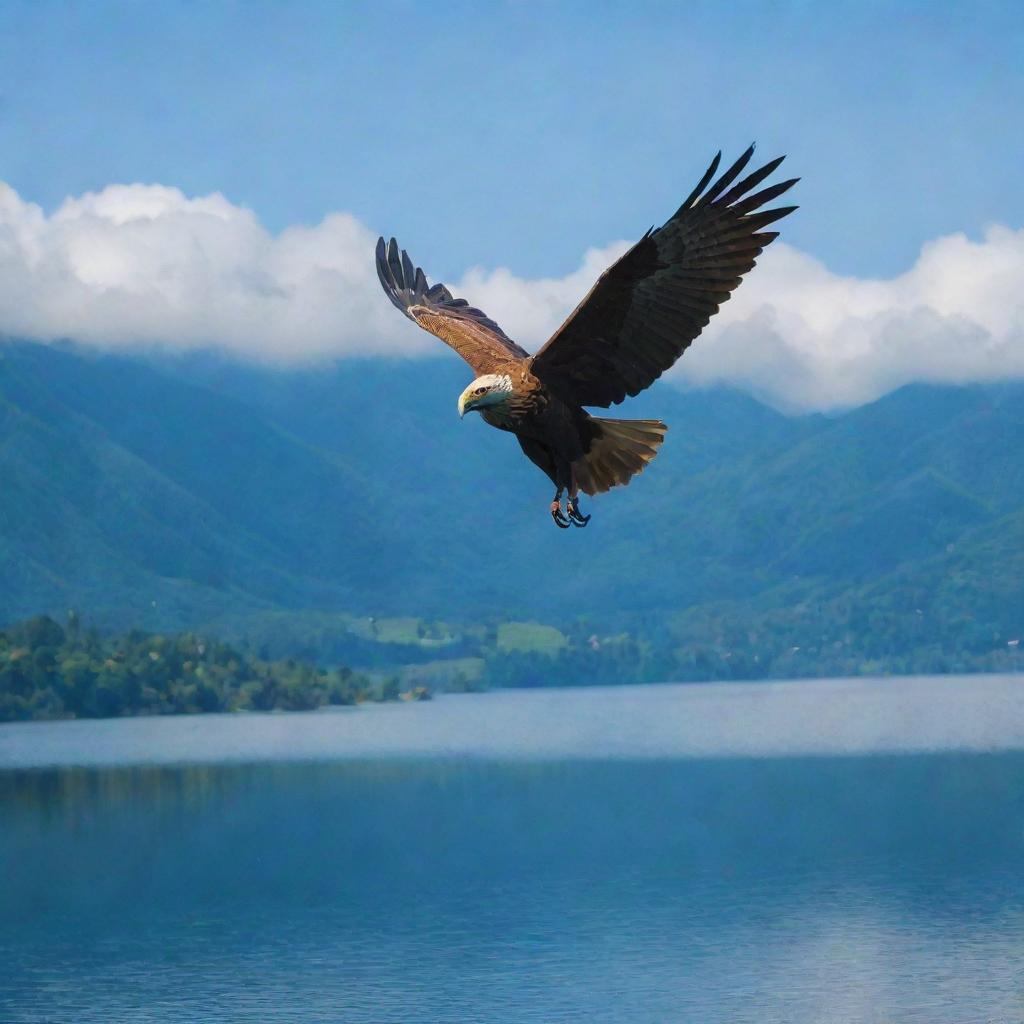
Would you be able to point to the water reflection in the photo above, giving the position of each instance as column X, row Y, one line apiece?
column 802, row 889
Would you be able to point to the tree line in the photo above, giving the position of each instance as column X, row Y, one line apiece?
column 52, row 671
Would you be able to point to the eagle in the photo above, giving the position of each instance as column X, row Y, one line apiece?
column 633, row 324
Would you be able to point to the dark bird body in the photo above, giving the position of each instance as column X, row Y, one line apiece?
column 640, row 316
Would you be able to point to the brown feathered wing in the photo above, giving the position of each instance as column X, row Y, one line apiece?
column 646, row 309
column 477, row 338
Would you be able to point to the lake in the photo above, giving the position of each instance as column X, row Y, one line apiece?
column 807, row 853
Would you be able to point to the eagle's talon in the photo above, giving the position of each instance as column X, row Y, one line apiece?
column 559, row 516
column 577, row 518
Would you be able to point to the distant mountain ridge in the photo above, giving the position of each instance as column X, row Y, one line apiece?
column 169, row 493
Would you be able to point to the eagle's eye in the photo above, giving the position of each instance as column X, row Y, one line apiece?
column 480, row 391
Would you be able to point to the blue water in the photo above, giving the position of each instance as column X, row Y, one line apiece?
column 144, row 877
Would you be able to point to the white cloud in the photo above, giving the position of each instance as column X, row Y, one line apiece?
column 801, row 337
column 138, row 265
column 806, row 338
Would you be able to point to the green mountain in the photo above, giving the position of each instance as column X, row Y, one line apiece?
column 287, row 508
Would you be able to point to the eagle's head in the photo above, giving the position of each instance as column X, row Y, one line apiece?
column 490, row 389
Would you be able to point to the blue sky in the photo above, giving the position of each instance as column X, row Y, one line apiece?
column 514, row 149
column 520, row 133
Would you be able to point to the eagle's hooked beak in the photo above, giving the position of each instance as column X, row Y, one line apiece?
column 464, row 403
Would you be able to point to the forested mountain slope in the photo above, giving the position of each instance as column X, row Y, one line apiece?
column 172, row 493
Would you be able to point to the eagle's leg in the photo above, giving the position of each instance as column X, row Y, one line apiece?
column 556, row 511
column 572, row 506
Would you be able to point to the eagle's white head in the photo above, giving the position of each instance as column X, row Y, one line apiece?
column 490, row 389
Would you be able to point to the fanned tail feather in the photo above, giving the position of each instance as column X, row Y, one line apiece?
column 618, row 451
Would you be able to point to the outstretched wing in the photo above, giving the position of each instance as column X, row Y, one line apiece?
column 477, row 338
column 645, row 310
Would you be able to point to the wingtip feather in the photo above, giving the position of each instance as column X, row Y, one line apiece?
column 701, row 185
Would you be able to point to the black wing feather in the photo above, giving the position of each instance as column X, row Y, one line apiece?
column 645, row 311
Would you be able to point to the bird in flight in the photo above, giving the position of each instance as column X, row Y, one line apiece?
column 636, row 321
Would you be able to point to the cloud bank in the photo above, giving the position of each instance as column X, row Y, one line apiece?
column 136, row 266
